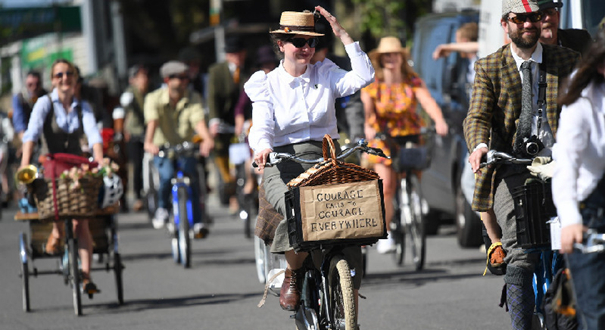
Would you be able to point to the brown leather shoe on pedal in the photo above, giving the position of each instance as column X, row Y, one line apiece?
column 88, row 287
column 289, row 296
column 53, row 245
column 496, row 258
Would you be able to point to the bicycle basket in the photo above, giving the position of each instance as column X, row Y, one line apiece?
column 334, row 203
column 412, row 158
column 78, row 202
column 533, row 208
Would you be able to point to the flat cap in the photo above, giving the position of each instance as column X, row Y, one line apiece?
column 546, row 4
column 172, row 68
column 519, row 6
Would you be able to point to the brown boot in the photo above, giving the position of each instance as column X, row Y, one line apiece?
column 289, row 296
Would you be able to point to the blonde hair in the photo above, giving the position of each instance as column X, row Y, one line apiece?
column 72, row 67
column 406, row 70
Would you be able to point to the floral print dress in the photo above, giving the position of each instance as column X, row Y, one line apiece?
column 396, row 115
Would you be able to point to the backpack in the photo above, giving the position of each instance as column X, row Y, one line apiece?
column 559, row 303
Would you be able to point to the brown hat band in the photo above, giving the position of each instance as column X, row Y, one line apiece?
column 289, row 28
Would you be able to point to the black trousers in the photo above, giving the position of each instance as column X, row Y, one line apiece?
column 135, row 156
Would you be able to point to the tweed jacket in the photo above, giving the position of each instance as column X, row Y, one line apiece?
column 496, row 105
column 223, row 93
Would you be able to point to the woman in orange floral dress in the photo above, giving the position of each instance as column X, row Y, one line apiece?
column 390, row 104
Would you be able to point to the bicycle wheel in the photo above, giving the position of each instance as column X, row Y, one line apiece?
column 74, row 275
column 117, row 270
column 259, row 256
column 24, row 272
column 151, row 195
column 415, row 225
column 183, row 236
column 342, row 299
column 397, row 225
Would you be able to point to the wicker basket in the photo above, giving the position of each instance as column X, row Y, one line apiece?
column 304, row 214
column 81, row 202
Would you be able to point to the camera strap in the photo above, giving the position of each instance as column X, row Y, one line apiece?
column 541, row 94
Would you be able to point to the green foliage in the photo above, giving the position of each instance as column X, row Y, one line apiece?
column 387, row 17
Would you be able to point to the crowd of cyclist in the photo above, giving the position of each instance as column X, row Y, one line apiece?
column 190, row 106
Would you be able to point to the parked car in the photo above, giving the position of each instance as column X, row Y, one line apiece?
column 447, row 83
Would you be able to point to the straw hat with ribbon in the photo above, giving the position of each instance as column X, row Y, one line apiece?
column 387, row 45
column 293, row 22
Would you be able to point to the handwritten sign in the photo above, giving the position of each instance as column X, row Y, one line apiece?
column 341, row 211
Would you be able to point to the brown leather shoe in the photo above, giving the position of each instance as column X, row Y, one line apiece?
column 289, row 296
column 496, row 258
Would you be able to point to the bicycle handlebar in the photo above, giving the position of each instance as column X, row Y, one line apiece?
column 499, row 157
column 181, row 149
column 593, row 243
column 362, row 145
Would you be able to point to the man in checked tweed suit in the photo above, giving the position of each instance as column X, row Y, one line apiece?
column 493, row 119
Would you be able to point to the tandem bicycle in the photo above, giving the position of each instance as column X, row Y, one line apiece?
column 327, row 296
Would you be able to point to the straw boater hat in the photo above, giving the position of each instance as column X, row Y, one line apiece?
column 293, row 22
column 388, row 45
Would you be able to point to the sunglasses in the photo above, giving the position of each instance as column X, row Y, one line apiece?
column 178, row 76
column 59, row 75
column 300, row 42
column 522, row 18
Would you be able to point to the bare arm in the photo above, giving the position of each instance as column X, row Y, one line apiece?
column 370, row 114
column 28, row 148
column 149, row 133
column 445, row 50
column 432, row 109
column 207, row 141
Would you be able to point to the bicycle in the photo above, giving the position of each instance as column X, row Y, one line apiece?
column 327, row 297
column 537, row 221
column 409, row 157
column 182, row 224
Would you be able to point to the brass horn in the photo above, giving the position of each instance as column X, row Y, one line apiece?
column 27, row 174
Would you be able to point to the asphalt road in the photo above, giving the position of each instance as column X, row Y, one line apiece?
column 221, row 290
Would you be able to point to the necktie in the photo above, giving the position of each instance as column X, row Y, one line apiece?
column 524, row 127
column 236, row 75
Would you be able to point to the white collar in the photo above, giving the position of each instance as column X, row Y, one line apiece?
column 536, row 56
column 306, row 77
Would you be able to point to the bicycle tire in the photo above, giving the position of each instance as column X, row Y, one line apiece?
column 260, row 260
column 183, row 231
column 342, row 299
column 117, row 269
column 416, row 227
column 397, row 229
column 74, row 275
column 151, row 195
column 24, row 274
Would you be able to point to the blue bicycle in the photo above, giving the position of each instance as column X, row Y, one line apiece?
column 536, row 219
column 182, row 227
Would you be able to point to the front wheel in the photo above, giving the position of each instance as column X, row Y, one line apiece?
column 414, row 224
column 183, row 231
column 24, row 272
column 342, row 299
column 74, row 275
column 260, row 257
column 117, row 269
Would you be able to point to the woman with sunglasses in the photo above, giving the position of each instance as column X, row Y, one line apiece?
column 60, row 120
column 293, row 108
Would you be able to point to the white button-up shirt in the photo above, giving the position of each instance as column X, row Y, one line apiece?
column 579, row 152
column 289, row 109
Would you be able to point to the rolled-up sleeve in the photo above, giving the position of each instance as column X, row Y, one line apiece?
column 90, row 125
column 36, row 120
column 361, row 74
column 262, row 131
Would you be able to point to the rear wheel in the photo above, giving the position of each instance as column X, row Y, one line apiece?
column 183, row 236
column 74, row 275
column 24, row 272
column 397, row 229
column 415, row 227
column 342, row 299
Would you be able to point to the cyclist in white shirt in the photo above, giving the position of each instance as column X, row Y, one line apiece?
column 293, row 108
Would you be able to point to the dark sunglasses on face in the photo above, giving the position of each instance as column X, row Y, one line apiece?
column 522, row 18
column 179, row 76
column 300, row 42
column 59, row 75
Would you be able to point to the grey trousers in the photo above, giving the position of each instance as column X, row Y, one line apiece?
column 505, row 213
column 275, row 179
